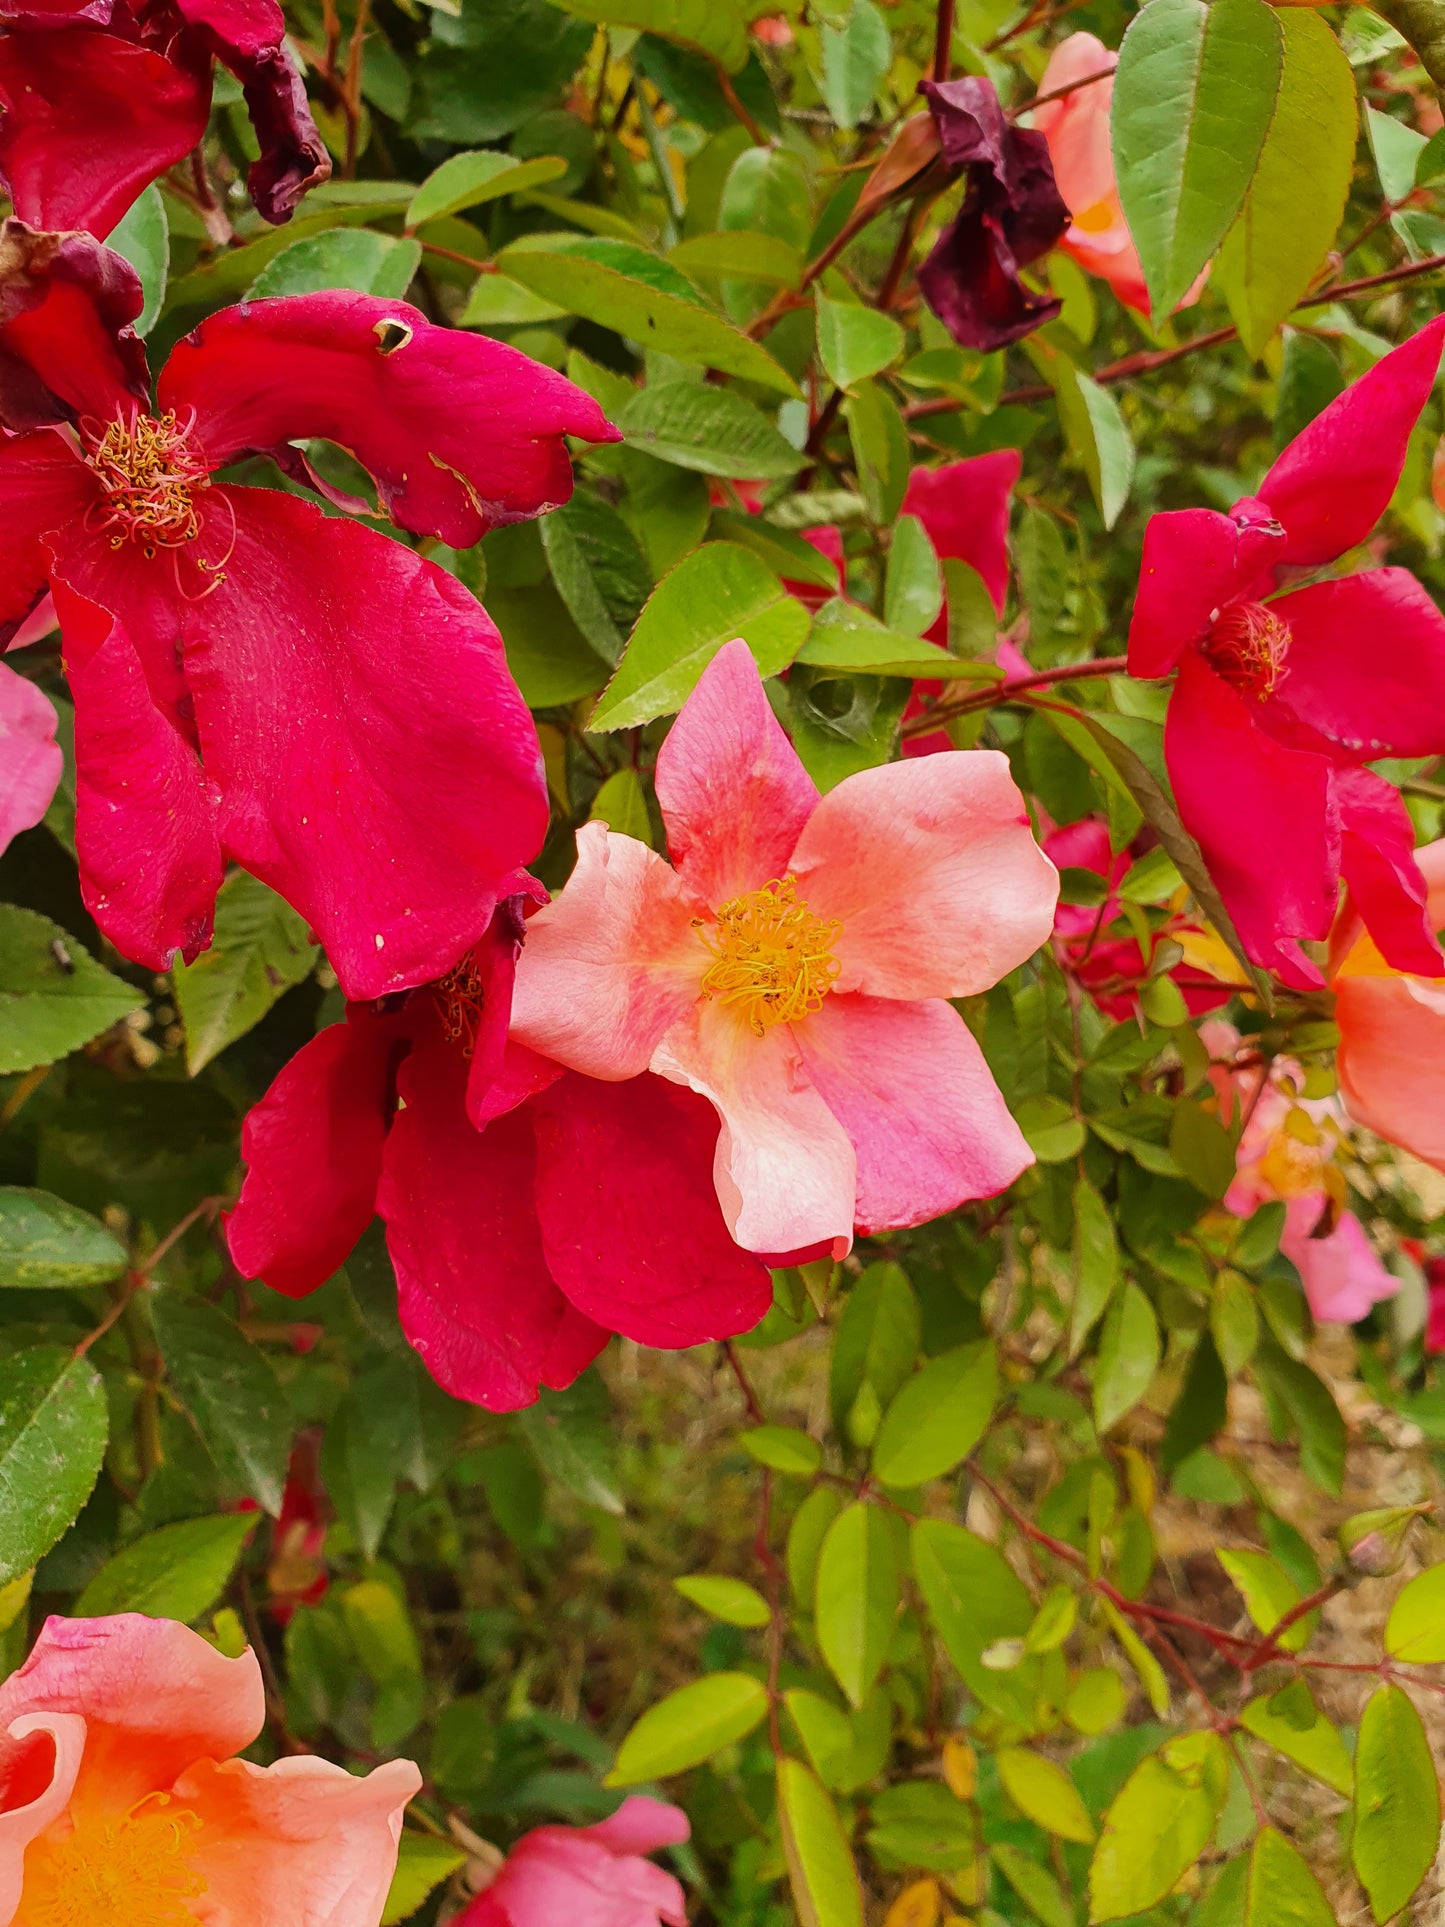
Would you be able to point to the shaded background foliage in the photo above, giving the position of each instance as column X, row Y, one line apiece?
column 922, row 1533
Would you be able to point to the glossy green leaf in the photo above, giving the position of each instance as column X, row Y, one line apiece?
column 340, row 257
column 877, row 1340
column 722, row 1597
column 1044, row 1793
column 857, row 1597
column 232, row 1393
column 1096, row 1263
column 1093, row 427
column 1415, row 1630
column 423, row 1862
column 621, row 803
column 855, row 342
column 1158, row 1825
column 1194, row 95
column 821, row 1873
column 718, row 592
column 53, row 1429
column 142, row 235
column 599, row 569
column 1295, row 202
column 847, row 638
column 497, row 301
column 176, row 1572
column 1055, row 1135
column 715, row 431
column 913, row 588
column 938, row 1416
column 856, row 56
column 484, row 174
column 882, row 452
column 1316, row 1747
column 552, row 660
column 48, row 1244
column 611, row 283
column 785, row 553
column 689, row 1726
column 1397, row 1802
column 261, row 948
column 54, row 997
column 1128, row 1356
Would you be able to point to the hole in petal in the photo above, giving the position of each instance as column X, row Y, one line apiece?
column 393, row 335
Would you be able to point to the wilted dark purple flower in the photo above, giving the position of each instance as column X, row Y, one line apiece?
column 1011, row 214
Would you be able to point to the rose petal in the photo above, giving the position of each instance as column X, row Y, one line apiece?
column 89, row 121
column 1391, row 1062
column 640, row 1825
column 42, row 487
column 30, row 758
column 932, row 869
column 630, row 1219
column 1377, row 855
column 964, row 507
column 313, row 1148
column 459, row 432
column 66, row 342
column 909, row 1085
column 1195, row 561
column 1262, row 816
column 734, row 794
column 611, row 964
column 1334, row 481
column 1342, row 1273
column 785, row 1172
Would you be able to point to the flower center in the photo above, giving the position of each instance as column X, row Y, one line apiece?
column 1247, row 644
column 461, row 995
column 771, row 956
column 149, row 477
column 131, row 1872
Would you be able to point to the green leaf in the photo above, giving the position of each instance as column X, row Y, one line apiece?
column 381, row 1630
column 54, row 997
column 913, row 590
column 1096, row 1263
column 825, row 1732
column 1092, row 425
column 497, row 301
column 1054, row 1620
column 600, row 572
column 1044, row 1793
column 423, row 1862
column 805, row 1541
column 974, row 1596
column 1201, row 1147
column 1233, row 1321
column 856, row 56
column 716, row 593
column 232, row 1392
column 1034, row 1884
column 143, row 236
column 1055, row 1135
column 877, row 1340
column 938, row 1416
column 786, row 554
column 784, row 1449
column 1128, row 1355
column 1396, row 147
column 1194, row 94
column 484, row 174
column 48, row 1244
column 1311, row 1405
column 1397, row 1802
column 689, row 1726
column 1268, row 1593
column 715, row 431
column 855, row 342
column 621, row 803
column 1317, row 1748
column 857, row 1597
column 1415, row 1630
column 1297, row 197
column 613, row 284
column 733, row 1600
column 743, row 256
column 821, row 1873
column 882, row 452
column 571, row 1435
column 1282, row 1892
column 1160, row 1821
column 552, row 660
column 340, row 257
column 850, row 640
column 1151, row 1673
column 178, row 1572
column 261, row 948
column 714, row 29
column 53, row 1428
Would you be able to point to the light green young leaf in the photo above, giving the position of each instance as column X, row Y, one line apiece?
column 484, row 174
column 913, row 589
column 53, row 1429
column 621, row 803
column 382, row 1632
column 177, row 1572
column 1035, row 1886
column 857, row 1597
column 143, row 236
column 877, row 1339
column 783, row 1448
column 1317, row 1748
column 742, row 256
column 1397, row 1802
column 855, row 342
column 1268, row 1593
column 1194, row 95
column 725, row 1598
column 856, row 56
column 826, row 1733
column 937, row 1416
column 340, row 257
column 54, row 997
column 811, row 1523
column 1158, row 1825
column 1151, row 1673
column 1128, row 1356
column 1297, row 197
column 496, row 301
column 974, row 1596
column 1282, row 1892
column 716, row 593
column 850, row 640
column 714, row 27
column 1044, row 1793
column 47, row 1244
column 821, row 1873
column 261, row 948
column 882, row 452
column 1233, row 1321
column 1415, row 1630
column 785, row 553
column 1092, row 425
column 689, row 1726
column 423, row 1863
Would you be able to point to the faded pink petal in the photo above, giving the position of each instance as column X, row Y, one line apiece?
column 964, row 508
column 1335, row 479
column 30, row 758
column 734, row 794
column 1391, row 1060
column 302, row 1841
column 1195, row 561
column 40, row 1755
column 1342, row 1273
column 932, row 870
column 588, row 1876
column 785, row 1171
column 640, row 1825
column 909, row 1085
column 1077, row 125
column 612, row 963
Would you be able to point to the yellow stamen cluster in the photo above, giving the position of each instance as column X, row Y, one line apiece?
column 772, row 957
column 149, row 477
column 1247, row 644
column 131, row 1872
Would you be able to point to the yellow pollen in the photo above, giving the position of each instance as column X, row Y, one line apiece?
column 149, row 477
column 131, row 1872
column 461, row 995
column 1248, row 644
column 772, row 957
